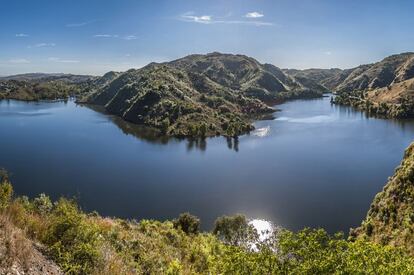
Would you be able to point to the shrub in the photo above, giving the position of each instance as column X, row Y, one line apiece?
column 6, row 194
column 72, row 241
column 42, row 204
column 188, row 223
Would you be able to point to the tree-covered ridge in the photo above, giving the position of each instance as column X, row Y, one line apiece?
column 82, row 243
column 37, row 86
column 199, row 95
column 390, row 219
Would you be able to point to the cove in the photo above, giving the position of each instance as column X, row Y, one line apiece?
column 315, row 164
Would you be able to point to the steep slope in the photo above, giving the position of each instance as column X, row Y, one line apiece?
column 198, row 95
column 390, row 219
column 391, row 70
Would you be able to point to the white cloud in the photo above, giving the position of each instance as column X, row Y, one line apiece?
column 208, row 19
column 42, row 45
column 130, row 37
column 59, row 60
column 21, row 35
column 19, row 61
column 80, row 24
column 328, row 53
column 106, row 35
column 254, row 14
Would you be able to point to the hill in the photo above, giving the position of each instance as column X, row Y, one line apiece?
column 199, row 95
column 381, row 89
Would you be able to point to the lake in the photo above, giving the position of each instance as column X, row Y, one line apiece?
column 315, row 164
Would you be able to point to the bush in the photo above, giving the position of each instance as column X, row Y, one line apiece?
column 42, row 204
column 6, row 194
column 188, row 223
column 72, row 241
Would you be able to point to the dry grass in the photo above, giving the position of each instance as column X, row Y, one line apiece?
column 18, row 255
column 394, row 93
column 16, row 250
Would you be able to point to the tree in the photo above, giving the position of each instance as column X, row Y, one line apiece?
column 235, row 230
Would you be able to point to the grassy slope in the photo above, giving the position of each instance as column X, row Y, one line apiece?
column 390, row 219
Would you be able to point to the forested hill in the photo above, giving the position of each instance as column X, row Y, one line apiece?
column 200, row 95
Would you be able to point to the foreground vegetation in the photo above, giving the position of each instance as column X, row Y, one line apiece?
column 81, row 243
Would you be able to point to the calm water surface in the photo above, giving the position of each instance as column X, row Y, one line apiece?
column 315, row 165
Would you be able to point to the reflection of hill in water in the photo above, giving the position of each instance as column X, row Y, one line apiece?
column 153, row 135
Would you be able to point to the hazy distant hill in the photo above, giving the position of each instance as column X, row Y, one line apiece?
column 323, row 77
column 199, row 95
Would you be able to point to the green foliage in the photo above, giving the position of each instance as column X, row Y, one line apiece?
column 315, row 252
column 72, row 241
column 188, row 223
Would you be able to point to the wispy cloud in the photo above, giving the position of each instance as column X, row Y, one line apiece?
column 21, row 35
column 106, row 35
column 208, row 19
column 130, row 37
column 42, row 45
column 254, row 14
column 79, row 24
column 127, row 37
column 19, row 61
column 328, row 53
column 59, row 60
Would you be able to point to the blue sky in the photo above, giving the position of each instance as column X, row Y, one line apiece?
column 95, row 36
